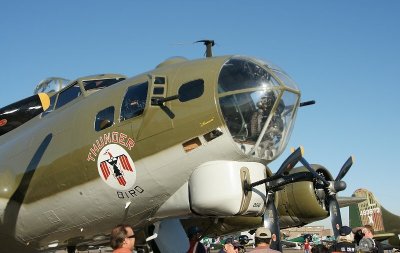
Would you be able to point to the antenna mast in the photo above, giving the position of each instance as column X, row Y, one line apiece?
column 209, row 44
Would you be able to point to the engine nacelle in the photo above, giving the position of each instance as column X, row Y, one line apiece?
column 303, row 202
column 216, row 188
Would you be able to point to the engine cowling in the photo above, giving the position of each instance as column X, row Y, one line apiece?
column 303, row 202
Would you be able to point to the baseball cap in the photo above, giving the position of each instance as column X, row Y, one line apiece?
column 263, row 233
column 345, row 230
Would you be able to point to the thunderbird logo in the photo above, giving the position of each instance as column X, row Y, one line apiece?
column 116, row 167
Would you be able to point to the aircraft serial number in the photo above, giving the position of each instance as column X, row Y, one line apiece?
column 370, row 211
column 137, row 190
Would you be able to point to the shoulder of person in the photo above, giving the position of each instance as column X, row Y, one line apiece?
column 366, row 245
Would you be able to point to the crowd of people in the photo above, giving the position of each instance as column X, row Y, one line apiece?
column 357, row 240
column 350, row 240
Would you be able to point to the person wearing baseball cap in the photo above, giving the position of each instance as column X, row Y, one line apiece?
column 345, row 241
column 262, row 239
column 368, row 243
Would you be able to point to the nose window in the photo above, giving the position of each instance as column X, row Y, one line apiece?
column 241, row 74
column 257, row 109
column 246, row 115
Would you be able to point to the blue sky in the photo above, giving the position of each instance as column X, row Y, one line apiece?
column 343, row 54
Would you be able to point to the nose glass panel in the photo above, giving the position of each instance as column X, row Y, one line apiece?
column 258, row 110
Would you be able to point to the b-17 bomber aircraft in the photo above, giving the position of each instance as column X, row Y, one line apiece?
column 386, row 225
column 185, row 144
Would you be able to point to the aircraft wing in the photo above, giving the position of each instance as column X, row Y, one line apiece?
column 383, row 236
column 293, row 242
column 347, row 201
column 299, row 239
column 290, row 244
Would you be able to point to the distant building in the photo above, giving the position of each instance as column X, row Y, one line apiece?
column 317, row 230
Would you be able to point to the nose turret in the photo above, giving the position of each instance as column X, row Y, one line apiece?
column 259, row 104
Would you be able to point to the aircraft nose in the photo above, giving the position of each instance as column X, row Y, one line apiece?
column 258, row 109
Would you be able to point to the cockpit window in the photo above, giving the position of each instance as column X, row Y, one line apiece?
column 258, row 109
column 100, row 84
column 134, row 101
column 68, row 95
column 51, row 85
column 104, row 119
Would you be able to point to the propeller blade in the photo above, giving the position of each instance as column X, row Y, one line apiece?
column 286, row 166
column 345, row 168
column 336, row 218
column 315, row 174
column 291, row 161
column 271, row 218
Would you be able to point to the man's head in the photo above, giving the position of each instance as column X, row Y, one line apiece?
column 368, row 231
column 345, row 230
column 263, row 235
column 358, row 234
column 345, row 234
column 230, row 246
column 122, row 236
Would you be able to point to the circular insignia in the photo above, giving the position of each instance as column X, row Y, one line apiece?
column 116, row 167
column 3, row 122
